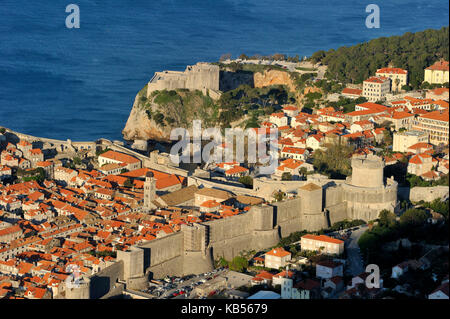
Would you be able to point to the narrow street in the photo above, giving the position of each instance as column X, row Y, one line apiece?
column 355, row 264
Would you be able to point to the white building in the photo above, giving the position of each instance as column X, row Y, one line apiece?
column 403, row 140
column 375, row 88
column 398, row 77
column 131, row 163
column 322, row 243
column 276, row 258
column 279, row 119
column 328, row 269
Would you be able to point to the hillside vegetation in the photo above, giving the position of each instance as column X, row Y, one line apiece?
column 178, row 108
column 411, row 51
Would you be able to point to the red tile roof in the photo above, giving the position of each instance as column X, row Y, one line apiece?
column 323, row 238
column 278, row 252
column 392, row 71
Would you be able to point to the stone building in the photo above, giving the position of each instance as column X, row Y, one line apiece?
column 399, row 77
column 403, row 140
column 437, row 73
column 435, row 124
column 375, row 88
column 202, row 76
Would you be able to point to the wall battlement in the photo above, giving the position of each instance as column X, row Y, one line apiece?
column 201, row 76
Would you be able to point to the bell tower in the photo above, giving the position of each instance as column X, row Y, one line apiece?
column 149, row 191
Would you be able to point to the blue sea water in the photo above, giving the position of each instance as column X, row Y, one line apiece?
column 80, row 83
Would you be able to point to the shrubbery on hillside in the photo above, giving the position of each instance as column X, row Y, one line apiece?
column 411, row 51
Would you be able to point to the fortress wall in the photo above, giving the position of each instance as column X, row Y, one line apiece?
column 366, row 212
column 291, row 226
column 333, row 196
column 428, row 194
column 103, row 281
column 196, row 262
column 314, row 222
column 229, row 248
column 160, row 250
column 287, row 210
column 229, row 228
column 133, row 262
column 230, row 236
column 263, row 217
column 195, row 77
column 201, row 76
column 59, row 145
column 115, row 292
column 288, row 216
column 192, row 180
column 366, row 203
column 337, row 212
column 255, row 240
column 263, row 239
column 172, row 267
column 367, row 171
column 169, row 83
column 264, row 187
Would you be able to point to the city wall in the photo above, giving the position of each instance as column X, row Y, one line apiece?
column 105, row 280
column 428, row 194
column 164, row 255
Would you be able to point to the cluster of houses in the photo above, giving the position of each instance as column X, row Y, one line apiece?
column 410, row 118
column 327, row 282
column 80, row 217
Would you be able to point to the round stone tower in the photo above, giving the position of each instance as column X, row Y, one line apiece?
column 366, row 192
column 367, row 171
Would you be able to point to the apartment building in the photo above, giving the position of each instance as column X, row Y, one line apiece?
column 276, row 258
column 375, row 88
column 398, row 77
column 435, row 124
column 325, row 244
column 403, row 140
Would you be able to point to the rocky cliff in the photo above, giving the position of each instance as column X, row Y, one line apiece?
column 155, row 116
column 139, row 126
column 274, row 77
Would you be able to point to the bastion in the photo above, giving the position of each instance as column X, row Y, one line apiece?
column 201, row 76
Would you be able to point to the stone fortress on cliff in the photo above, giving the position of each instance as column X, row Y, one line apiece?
column 201, row 76
column 317, row 205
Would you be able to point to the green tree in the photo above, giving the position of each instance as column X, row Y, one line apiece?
column 335, row 160
column 414, row 217
column 279, row 196
column 286, row 176
column 411, row 51
column 77, row 160
column 223, row 262
column 303, row 171
column 239, row 264
column 247, row 181
column 386, row 218
column 128, row 183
